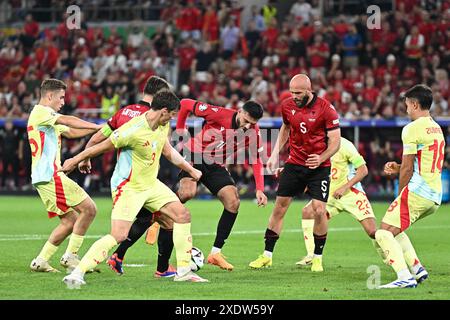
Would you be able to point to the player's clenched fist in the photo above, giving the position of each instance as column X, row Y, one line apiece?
column 195, row 174
column 391, row 167
column 85, row 166
column 68, row 166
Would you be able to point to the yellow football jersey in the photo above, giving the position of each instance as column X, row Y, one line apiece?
column 139, row 152
column 44, row 136
column 424, row 138
column 343, row 166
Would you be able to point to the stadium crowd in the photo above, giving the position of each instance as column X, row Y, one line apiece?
column 210, row 51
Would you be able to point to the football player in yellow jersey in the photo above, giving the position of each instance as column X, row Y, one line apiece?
column 61, row 196
column 348, row 168
column 419, row 184
column 134, row 185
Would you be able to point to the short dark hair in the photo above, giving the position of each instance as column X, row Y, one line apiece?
column 422, row 94
column 254, row 109
column 155, row 84
column 166, row 99
column 52, row 85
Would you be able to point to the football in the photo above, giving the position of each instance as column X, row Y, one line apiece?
column 197, row 259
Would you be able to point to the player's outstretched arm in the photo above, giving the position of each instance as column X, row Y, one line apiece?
column 187, row 107
column 177, row 159
column 360, row 173
column 282, row 138
column 74, row 133
column 100, row 136
column 406, row 170
column 77, row 123
column 70, row 164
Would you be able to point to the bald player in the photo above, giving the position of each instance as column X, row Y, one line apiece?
column 312, row 126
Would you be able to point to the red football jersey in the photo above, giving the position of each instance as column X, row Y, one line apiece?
column 309, row 127
column 127, row 113
column 220, row 138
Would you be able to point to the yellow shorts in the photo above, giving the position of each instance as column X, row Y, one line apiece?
column 128, row 202
column 354, row 202
column 407, row 208
column 60, row 194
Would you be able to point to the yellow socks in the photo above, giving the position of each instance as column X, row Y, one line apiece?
column 182, row 241
column 379, row 251
column 75, row 243
column 409, row 253
column 393, row 252
column 307, row 226
column 47, row 251
column 97, row 253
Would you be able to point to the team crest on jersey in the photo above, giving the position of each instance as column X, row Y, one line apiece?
column 202, row 107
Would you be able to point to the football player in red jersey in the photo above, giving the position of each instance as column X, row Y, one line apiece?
column 143, row 220
column 224, row 133
column 312, row 126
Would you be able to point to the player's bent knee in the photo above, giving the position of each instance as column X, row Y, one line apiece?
column 185, row 195
column 307, row 213
column 182, row 216
column 120, row 236
column 233, row 204
column 371, row 233
column 383, row 234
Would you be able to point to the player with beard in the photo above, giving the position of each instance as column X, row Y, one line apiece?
column 312, row 126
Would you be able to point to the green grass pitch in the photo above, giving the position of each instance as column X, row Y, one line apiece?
column 348, row 254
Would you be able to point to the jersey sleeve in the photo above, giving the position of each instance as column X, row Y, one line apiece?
column 255, row 147
column 187, row 106
column 206, row 111
column 47, row 117
column 409, row 140
column 284, row 113
column 331, row 118
column 353, row 155
column 62, row 128
column 113, row 121
column 122, row 137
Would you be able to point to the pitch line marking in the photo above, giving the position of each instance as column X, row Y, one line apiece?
column 27, row 237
